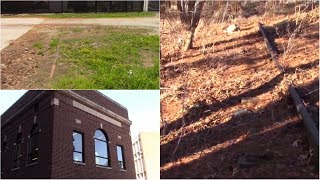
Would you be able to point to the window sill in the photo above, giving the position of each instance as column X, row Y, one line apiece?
column 105, row 167
column 31, row 164
column 14, row 169
column 123, row 170
column 80, row 163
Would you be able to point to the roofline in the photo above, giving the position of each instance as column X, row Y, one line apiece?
column 21, row 109
column 97, row 106
column 76, row 96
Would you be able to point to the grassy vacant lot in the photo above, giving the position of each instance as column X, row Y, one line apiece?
column 85, row 15
column 106, row 57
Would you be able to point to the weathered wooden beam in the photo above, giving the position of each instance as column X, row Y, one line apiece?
column 313, row 132
column 271, row 48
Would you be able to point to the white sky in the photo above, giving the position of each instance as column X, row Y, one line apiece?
column 143, row 106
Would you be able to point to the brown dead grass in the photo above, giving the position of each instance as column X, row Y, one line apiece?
column 203, row 88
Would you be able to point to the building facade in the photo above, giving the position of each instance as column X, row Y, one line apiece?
column 146, row 152
column 66, row 134
column 77, row 6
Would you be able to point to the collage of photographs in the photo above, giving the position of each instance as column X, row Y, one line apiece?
column 159, row 89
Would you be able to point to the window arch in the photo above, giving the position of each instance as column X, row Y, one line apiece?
column 17, row 151
column 33, row 147
column 101, row 148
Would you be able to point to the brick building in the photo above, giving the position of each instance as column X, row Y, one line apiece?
column 66, row 134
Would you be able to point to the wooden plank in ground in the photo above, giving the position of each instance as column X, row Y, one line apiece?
column 313, row 132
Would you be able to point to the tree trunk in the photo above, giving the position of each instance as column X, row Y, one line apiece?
column 190, row 12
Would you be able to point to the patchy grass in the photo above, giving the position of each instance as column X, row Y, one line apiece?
column 85, row 15
column 109, row 59
column 54, row 43
column 77, row 29
column 38, row 45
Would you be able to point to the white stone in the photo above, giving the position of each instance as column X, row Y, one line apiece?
column 232, row 28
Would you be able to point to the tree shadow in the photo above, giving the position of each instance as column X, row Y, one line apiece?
column 302, row 66
column 255, row 34
column 223, row 162
column 280, row 114
column 191, row 117
column 196, row 113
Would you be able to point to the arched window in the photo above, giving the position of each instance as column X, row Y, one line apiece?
column 101, row 148
column 17, row 151
column 33, row 147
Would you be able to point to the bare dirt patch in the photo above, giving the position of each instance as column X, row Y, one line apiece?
column 27, row 61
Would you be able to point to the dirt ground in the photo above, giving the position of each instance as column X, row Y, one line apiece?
column 25, row 67
column 226, row 111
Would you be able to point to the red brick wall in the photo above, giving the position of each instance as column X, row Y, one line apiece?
column 55, row 143
column 10, row 130
column 65, row 116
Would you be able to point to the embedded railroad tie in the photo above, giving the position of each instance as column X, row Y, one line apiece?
column 271, row 48
column 312, row 131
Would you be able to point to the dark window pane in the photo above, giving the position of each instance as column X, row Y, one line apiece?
column 102, row 161
column 99, row 135
column 77, row 142
column 77, row 156
column 35, row 130
column 34, row 143
column 34, row 157
column 17, row 155
column 4, row 147
column 17, row 151
column 101, row 148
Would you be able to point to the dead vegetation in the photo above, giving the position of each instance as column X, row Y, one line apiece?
column 225, row 108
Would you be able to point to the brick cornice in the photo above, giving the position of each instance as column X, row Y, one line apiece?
column 85, row 101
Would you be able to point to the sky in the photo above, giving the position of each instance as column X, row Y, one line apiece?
column 143, row 106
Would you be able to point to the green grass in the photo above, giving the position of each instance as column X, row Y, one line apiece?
column 109, row 60
column 54, row 43
column 85, row 15
column 38, row 45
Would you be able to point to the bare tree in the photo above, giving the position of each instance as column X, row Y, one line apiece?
column 190, row 12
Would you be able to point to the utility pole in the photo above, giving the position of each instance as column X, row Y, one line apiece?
column 145, row 5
